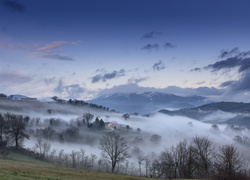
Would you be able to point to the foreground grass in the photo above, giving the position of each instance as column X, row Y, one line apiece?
column 20, row 167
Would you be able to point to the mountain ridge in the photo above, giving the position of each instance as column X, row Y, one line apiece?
column 147, row 102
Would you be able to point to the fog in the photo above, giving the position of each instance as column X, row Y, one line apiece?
column 137, row 130
column 172, row 130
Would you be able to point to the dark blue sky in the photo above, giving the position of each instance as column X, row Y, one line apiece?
column 76, row 49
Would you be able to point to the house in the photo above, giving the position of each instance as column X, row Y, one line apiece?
column 111, row 125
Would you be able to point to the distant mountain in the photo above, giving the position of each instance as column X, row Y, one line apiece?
column 16, row 97
column 147, row 102
column 232, row 113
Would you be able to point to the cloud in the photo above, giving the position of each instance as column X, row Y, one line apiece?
column 226, row 53
column 106, row 76
column 56, row 56
column 13, row 5
column 158, row 66
column 53, row 45
column 157, row 46
column 96, row 78
column 14, row 77
column 73, row 91
column 238, row 90
column 242, row 85
column 196, row 70
column 199, row 83
column 151, row 34
column 137, row 80
column 227, row 84
column 49, row 81
column 151, row 46
column 168, row 45
column 49, row 51
column 240, row 60
column 224, row 64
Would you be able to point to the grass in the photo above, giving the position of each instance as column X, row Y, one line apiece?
column 21, row 167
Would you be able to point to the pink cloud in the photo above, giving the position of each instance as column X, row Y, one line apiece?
column 55, row 56
column 53, row 45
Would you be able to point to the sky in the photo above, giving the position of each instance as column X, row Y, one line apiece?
column 81, row 49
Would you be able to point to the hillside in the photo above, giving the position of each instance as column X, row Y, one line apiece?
column 36, row 108
column 22, row 167
column 147, row 102
column 232, row 113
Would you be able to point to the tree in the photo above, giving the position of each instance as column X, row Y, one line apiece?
column 155, row 138
column 114, row 149
column 204, row 154
column 17, row 129
column 3, row 128
column 126, row 116
column 229, row 163
column 3, row 95
column 139, row 154
column 73, row 156
column 88, row 117
column 127, row 127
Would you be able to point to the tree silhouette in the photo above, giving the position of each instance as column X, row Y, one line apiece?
column 17, row 128
column 114, row 149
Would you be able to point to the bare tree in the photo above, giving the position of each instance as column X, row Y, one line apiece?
column 17, row 129
column 229, row 163
column 184, row 156
column 73, row 156
column 46, row 148
column 60, row 157
column 38, row 144
column 82, row 157
column 93, row 158
column 204, row 154
column 139, row 154
column 114, row 149
column 147, row 164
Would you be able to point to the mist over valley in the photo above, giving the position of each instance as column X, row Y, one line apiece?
column 73, row 129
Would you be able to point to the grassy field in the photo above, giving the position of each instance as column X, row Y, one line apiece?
column 20, row 167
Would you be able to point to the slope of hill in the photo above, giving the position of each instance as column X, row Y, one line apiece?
column 233, row 113
column 22, row 167
column 147, row 102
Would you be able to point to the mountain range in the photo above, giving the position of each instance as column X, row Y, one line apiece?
column 147, row 102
